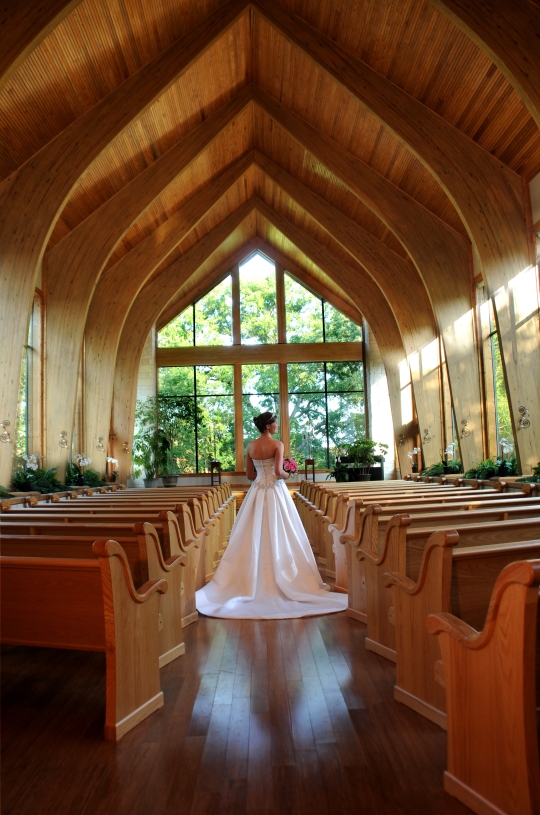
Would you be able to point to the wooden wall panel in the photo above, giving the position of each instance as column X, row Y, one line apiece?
column 32, row 197
column 76, row 263
column 374, row 307
column 486, row 193
column 117, row 290
column 142, row 315
column 439, row 254
column 399, row 282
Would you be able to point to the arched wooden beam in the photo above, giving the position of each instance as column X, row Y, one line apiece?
column 142, row 316
column 75, row 264
column 365, row 292
column 23, row 25
column 400, row 284
column 118, row 288
column 32, row 198
column 486, row 193
column 440, row 255
column 509, row 33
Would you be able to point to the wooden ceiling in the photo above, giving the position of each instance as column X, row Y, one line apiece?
column 100, row 43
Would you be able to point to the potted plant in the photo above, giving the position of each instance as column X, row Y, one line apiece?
column 358, row 459
column 166, row 417
column 32, row 478
column 150, row 449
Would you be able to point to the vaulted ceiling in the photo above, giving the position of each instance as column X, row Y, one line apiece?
column 410, row 43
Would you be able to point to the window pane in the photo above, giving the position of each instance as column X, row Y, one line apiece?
column 339, row 328
column 216, row 432
column 215, row 379
column 21, row 432
column 179, row 332
column 346, row 420
column 258, row 313
column 504, row 423
column 307, row 417
column 304, row 313
column 260, row 378
column 306, row 376
column 177, row 418
column 260, row 388
column 345, row 376
column 213, row 316
column 176, row 381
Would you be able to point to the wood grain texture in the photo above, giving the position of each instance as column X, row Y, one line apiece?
column 142, row 315
column 509, row 36
column 32, row 197
column 440, row 256
column 401, row 285
column 76, row 263
column 487, row 195
column 23, row 25
column 118, row 288
column 484, row 700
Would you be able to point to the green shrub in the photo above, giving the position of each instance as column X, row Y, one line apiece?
column 36, row 481
column 491, row 467
column 534, row 478
column 4, row 493
column 90, row 478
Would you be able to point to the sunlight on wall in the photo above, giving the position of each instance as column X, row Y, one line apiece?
column 430, row 357
column 524, row 293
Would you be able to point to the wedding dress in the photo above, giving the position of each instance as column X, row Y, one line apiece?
column 268, row 570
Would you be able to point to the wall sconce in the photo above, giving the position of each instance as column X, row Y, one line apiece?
column 464, row 431
column 524, row 422
column 5, row 438
column 63, row 443
column 125, row 447
column 99, row 445
column 401, row 440
column 427, row 438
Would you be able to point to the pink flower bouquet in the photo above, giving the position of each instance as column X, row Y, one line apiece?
column 290, row 465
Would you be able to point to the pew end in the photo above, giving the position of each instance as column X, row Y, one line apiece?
column 490, row 707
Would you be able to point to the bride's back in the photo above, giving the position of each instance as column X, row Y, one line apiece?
column 262, row 448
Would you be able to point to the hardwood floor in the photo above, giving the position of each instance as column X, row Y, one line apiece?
column 275, row 718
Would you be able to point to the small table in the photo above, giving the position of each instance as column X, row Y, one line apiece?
column 309, row 462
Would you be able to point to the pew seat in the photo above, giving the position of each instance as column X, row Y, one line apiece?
column 90, row 605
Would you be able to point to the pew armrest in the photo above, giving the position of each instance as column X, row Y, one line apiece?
column 401, row 581
column 108, row 548
column 522, row 572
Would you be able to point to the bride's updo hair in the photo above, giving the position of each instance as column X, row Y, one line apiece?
column 262, row 421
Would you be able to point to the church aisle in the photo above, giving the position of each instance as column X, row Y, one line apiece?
column 267, row 717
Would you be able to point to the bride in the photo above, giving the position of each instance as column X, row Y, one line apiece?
column 268, row 570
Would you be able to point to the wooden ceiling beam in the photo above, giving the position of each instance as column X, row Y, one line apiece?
column 488, row 196
column 399, row 283
column 306, row 279
column 369, row 298
column 480, row 186
column 23, row 25
column 440, row 255
column 509, row 34
column 144, row 312
column 75, row 264
column 115, row 293
column 32, row 198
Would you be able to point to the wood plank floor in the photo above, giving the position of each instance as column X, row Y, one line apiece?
column 273, row 717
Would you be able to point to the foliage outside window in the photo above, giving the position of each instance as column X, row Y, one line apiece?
column 260, row 392
column 502, row 408
column 208, row 390
column 258, row 309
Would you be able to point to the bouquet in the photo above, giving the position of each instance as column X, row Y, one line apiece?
column 290, row 465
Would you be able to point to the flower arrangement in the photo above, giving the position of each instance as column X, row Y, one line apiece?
column 412, row 453
column 290, row 465
column 31, row 462
column 32, row 478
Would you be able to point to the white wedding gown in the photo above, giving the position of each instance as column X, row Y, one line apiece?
column 268, row 571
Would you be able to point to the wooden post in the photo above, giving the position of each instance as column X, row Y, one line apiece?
column 238, row 418
column 285, row 428
column 235, row 285
column 280, row 304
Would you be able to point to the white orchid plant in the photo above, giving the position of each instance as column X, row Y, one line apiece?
column 81, row 461
column 32, row 462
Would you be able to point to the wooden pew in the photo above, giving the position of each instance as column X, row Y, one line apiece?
column 143, row 554
column 493, row 761
column 90, row 605
column 403, row 550
column 457, row 580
